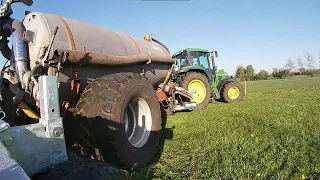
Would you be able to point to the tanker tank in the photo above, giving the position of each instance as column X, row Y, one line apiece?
column 94, row 51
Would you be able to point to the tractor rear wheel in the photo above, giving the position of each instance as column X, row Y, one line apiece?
column 198, row 84
column 120, row 120
column 232, row 91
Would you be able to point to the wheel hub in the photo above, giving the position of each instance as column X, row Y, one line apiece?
column 198, row 89
column 138, row 122
column 233, row 92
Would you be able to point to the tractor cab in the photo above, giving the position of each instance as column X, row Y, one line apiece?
column 196, row 71
column 196, row 59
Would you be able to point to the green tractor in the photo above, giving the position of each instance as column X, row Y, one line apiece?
column 196, row 72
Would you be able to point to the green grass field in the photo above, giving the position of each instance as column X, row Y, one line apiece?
column 274, row 133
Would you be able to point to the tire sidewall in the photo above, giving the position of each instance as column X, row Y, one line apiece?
column 100, row 113
column 144, row 90
column 227, row 86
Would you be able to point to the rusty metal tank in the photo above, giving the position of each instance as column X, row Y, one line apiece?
column 81, row 38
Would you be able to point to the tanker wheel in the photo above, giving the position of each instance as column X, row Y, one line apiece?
column 121, row 120
column 82, row 168
column 198, row 84
column 232, row 91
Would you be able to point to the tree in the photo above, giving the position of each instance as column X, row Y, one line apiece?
column 241, row 72
column 300, row 64
column 262, row 75
column 290, row 65
column 274, row 72
column 281, row 73
column 309, row 60
column 250, row 73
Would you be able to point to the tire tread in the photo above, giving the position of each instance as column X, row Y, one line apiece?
column 101, row 99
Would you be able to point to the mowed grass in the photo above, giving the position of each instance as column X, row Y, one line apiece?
column 274, row 133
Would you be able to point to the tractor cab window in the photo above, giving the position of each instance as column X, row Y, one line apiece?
column 182, row 61
column 204, row 60
column 194, row 58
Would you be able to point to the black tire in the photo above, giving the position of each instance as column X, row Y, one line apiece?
column 101, row 112
column 188, row 77
column 226, row 87
column 77, row 168
column 15, row 116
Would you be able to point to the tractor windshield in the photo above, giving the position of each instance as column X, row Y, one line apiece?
column 194, row 58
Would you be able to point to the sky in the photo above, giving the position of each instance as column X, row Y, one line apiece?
column 263, row 33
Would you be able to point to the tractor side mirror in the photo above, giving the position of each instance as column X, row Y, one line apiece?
column 216, row 54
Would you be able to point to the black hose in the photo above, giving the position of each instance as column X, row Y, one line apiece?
column 27, row 2
column 4, row 48
column 2, row 70
column 161, row 44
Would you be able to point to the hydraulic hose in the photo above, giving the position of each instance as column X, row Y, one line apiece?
column 4, row 48
column 161, row 44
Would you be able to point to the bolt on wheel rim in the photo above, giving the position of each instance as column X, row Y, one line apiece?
column 138, row 122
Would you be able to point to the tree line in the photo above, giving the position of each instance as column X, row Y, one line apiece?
column 307, row 65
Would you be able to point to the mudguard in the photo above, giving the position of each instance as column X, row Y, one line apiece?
column 221, row 83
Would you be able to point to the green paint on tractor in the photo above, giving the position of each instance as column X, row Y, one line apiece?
column 203, row 61
column 190, row 49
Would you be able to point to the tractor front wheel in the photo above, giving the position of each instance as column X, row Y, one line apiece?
column 232, row 91
column 198, row 84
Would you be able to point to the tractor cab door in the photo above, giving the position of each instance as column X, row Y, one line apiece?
column 211, row 57
column 201, row 59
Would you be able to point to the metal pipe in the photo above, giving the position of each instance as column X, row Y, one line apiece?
column 186, row 106
column 45, row 58
column 179, row 108
column 167, row 77
column 19, row 48
column 19, row 56
column 110, row 60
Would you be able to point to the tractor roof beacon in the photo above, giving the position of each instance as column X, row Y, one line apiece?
column 196, row 71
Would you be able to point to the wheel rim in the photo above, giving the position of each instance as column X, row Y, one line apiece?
column 138, row 122
column 199, row 91
column 233, row 92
